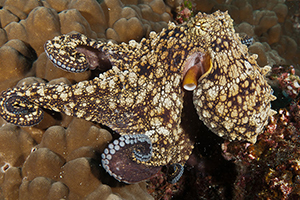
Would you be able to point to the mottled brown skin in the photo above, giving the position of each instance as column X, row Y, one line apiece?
column 142, row 93
column 233, row 99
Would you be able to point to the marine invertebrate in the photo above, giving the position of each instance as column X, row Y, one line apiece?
column 141, row 97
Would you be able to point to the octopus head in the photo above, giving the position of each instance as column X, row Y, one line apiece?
column 210, row 27
column 231, row 95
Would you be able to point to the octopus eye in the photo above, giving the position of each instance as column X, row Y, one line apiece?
column 76, row 53
column 196, row 66
column 124, row 158
column 19, row 111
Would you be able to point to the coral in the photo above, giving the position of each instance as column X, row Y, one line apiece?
column 64, row 165
column 21, row 57
column 281, row 11
column 274, row 158
column 274, row 34
column 287, row 47
column 264, row 20
column 15, row 152
column 246, row 28
column 140, row 19
column 290, row 83
column 266, row 56
column 42, row 188
column 11, row 180
column 159, row 187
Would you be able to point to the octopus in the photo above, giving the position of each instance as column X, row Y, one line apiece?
column 140, row 96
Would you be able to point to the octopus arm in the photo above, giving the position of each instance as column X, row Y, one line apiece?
column 132, row 158
column 77, row 53
column 100, row 100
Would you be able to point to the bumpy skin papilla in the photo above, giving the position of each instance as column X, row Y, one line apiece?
column 141, row 96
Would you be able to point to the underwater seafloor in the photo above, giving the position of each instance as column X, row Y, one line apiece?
column 59, row 158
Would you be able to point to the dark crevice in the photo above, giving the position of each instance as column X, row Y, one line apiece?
column 207, row 174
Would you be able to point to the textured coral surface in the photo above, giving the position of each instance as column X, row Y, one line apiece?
column 59, row 158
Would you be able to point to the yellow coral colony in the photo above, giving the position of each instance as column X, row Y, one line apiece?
column 233, row 98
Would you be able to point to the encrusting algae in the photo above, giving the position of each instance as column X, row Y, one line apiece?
column 141, row 96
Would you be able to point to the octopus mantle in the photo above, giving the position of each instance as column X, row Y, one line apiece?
column 141, row 96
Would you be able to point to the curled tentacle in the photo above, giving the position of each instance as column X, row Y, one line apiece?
column 143, row 148
column 123, row 158
column 175, row 172
column 19, row 111
column 76, row 53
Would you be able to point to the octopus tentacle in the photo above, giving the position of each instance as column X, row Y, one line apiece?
column 247, row 40
column 119, row 158
column 77, row 53
column 175, row 172
column 143, row 148
column 56, row 51
column 72, row 100
column 19, row 111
